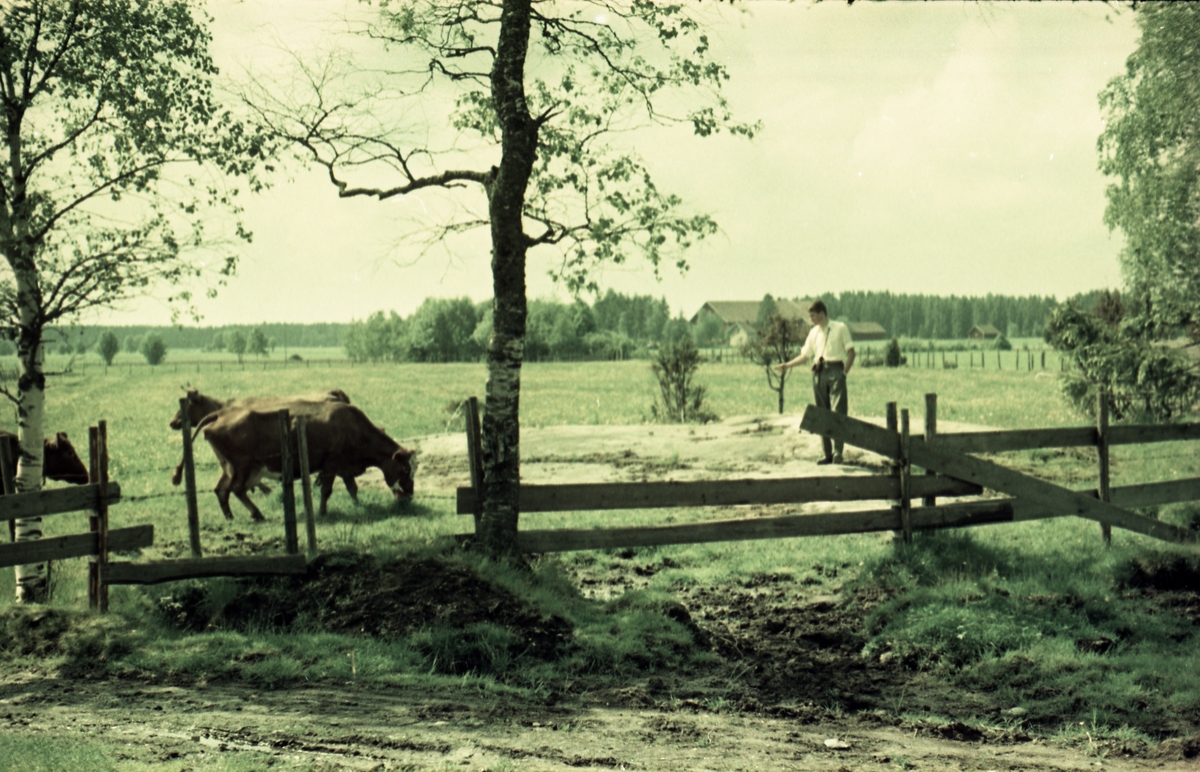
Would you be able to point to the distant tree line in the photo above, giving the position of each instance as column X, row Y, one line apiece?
column 616, row 326
column 316, row 335
column 944, row 318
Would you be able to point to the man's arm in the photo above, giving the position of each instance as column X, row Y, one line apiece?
column 849, row 359
column 797, row 361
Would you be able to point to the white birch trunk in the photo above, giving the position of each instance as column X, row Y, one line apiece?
column 31, row 580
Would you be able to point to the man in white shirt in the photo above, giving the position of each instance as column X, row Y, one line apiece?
column 831, row 349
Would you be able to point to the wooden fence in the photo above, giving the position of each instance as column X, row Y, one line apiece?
column 96, row 497
column 961, row 474
column 100, row 541
column 937, row 359
column 199, row 566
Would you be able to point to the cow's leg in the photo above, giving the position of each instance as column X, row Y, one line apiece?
column 242, row 480
column 351, row 486
column 222, row 491
column 326, row 481
column 177, row 475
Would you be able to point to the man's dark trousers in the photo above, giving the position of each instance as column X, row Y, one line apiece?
column 829, row 391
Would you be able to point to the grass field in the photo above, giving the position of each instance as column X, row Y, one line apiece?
column 1000, row 608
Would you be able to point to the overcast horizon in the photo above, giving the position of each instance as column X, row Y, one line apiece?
column 939, row 149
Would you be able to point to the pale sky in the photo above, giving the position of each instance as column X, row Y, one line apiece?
column 939, row 148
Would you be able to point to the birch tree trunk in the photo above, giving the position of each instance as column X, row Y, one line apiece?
column 31, row 580
column 501, row 433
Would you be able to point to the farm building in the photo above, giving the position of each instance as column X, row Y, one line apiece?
column 983, row 332
column 745, row 312
column 739, row 316
column 866, row 331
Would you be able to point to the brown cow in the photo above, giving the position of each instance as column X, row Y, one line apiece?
column 59, row 460
column 200, row 405
column 342, row 442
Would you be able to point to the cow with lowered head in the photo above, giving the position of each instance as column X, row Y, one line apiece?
column 342, row 442
column 200, row 405
column 59, row 460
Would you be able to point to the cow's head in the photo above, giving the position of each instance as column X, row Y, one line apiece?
column 62, row 463
column 399, row 473
column 199, row 406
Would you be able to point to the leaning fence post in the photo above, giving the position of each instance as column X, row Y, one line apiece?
column 930, row 433
column 905, row 478
column 310, row 523
column 285, row 474
column 475, row 456
column 189, row 479
column 1102, row 455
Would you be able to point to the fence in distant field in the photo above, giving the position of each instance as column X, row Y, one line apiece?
column 951, row 470
column 935, row 359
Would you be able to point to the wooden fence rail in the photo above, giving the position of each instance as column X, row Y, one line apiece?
column 582, row 497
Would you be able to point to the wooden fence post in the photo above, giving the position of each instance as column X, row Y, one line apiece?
column 1102, row 456
column 289, row 493
column 905, row 478
column 10, row 487
column 893, row 426
column 310, row 522
column 475, row 455
column 189, row 479
column 98, row 472
column 930, row 433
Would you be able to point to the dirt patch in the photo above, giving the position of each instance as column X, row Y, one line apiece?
column 1167, row 574
column 356, row 594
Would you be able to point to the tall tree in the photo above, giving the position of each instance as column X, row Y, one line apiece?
column 543, row 94
column 108, row 346
column 1151, row 145
column 114, row 154
column 236, row 343
column 257, row 343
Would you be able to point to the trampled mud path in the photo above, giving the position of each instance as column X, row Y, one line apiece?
column 346, row 727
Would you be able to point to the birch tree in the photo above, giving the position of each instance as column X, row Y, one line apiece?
column 541, row 99
column 114, row 151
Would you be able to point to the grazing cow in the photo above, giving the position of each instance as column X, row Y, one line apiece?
column 342, row 442
column 201, row 405
column 59, row 459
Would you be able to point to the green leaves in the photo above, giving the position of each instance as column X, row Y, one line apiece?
column 1151, row 144
column 102, row 106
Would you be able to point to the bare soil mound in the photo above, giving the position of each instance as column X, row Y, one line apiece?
column 356, row 594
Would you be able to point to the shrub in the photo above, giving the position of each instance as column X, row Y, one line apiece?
column 108, row 346
column 892, row 354
column 1002, row 344
column 153, row 348
column 674, row 365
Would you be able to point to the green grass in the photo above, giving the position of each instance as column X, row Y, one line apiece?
column 37, row 753
column 998, row 608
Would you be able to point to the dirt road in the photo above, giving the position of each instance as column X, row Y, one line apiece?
column 344, row 727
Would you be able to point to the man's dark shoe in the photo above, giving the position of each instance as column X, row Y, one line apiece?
column 837, row 459
column 825, row 461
